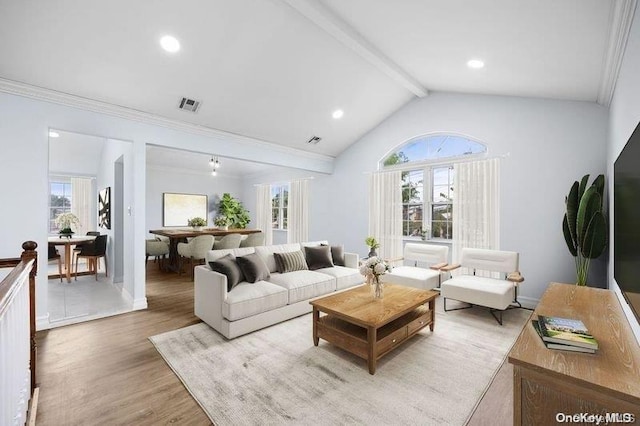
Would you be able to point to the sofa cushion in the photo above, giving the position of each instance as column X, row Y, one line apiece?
column 291, row 261
column 345, row 277
column 412, row 276
column 247, row 299
column 266, row 253
column 318, row 257
column 337, row 254
column 253, row 267
column 490, row 292
column 304, row 285
column 227, row 266
column 217, row 254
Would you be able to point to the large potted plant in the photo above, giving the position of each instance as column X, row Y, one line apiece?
column 231, row 208
column 584, row 225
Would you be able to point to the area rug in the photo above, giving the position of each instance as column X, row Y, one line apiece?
column 276, row 376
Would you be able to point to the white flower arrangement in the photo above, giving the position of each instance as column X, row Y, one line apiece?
column 374, row 267
column 67, row 221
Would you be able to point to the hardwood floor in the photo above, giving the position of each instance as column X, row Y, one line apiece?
column 107, row 372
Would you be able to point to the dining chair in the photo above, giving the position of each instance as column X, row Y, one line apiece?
column 53, row 254
column 89, row 233
column 230, row 241
column 253, row 240
column 196, row 249
column 93, row 253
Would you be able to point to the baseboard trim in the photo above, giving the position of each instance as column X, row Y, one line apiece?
column 139, row 304
column 42, row 322
column 528, row 302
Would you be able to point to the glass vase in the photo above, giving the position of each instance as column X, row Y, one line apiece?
column 377, row 287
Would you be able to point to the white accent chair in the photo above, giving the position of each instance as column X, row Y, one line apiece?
column 196, row 249
column 495, row 293
column 434, row 256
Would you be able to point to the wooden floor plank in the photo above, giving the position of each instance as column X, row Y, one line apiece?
column 107, row 372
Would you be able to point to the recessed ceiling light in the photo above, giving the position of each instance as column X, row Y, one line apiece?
column 170, row 44
column 475, row 63
column 337, row 114
column 53, row 134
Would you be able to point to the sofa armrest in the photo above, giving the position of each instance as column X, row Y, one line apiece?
column 210, row 292
column 438, row 266
column 450, row 268
column 515, row 277
column 351, row 260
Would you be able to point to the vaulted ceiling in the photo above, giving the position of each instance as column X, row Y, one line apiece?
column 275, row 70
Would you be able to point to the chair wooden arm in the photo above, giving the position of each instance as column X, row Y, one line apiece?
column 396, row 259
column 450, row 268
column 438, row 266
column 515, row 277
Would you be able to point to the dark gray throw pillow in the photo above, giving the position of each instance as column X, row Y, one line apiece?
column 290, row 261
column 227, row 266
column 253, row 267
column 337, row 255
column 318, row 257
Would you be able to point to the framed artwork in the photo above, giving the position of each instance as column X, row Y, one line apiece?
column 177, row 209
column 104, row 208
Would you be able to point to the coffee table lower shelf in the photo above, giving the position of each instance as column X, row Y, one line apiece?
column 356, row 339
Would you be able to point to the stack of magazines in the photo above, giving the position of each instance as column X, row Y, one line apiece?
column 565, row 334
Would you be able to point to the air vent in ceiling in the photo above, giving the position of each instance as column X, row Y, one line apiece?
column 189, row 104
column 314, row 140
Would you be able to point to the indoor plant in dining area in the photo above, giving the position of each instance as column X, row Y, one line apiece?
column 197, row 223
column 234, row 211
column 222, row 222
column 584, row 224
column 66, row 222
column 373, row 269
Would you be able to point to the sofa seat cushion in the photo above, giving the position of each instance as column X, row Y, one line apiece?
column 412, row 276
column 345, row 277
column 304, row 285
column 248, row 299
column 490, row 292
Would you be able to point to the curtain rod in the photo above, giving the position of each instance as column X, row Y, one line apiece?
column 285, row 181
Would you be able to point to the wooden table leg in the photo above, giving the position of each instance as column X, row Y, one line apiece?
column 432, row 308
column 372, row 341
column 67, row 261
column 316, row 318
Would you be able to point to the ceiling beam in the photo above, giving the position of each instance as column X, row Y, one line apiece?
column 620, row 21
column 348, row 36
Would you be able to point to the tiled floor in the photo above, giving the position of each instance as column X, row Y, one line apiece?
column 84, row 299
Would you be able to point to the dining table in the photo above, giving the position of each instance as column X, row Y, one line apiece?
column 68, row 243
column 180, row 235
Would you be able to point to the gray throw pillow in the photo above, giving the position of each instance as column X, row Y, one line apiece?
column 290, row 261
column 227, row 266
column 337, row 255
column 318, row 257
column 253, row 267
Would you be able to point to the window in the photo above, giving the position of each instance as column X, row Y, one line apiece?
column 60, row 202
column 279, row 204
column 427, row 183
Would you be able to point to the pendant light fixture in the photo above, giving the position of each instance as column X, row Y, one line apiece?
column 214, row 163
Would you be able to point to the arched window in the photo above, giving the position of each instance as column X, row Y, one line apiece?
column 427, row 181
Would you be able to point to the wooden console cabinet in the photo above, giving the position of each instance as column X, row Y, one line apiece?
column 548, row 382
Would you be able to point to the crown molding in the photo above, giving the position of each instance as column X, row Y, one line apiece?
column 61, row 98
column 620, row 21
column 349, row 37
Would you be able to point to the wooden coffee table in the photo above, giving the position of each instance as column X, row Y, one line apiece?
column 371, row 328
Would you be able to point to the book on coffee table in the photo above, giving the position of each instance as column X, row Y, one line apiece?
column 560, row 346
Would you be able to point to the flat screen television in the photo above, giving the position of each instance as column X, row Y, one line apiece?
column 626, row 222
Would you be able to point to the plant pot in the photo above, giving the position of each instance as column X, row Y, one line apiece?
column 372, row 253
column 66, row 233
column 197, row 228
column 224, row 227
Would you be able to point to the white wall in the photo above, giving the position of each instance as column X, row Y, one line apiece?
column 112, row 151
column 623, row 119
column 24, row 126
column 548, row 145
column 160, row 180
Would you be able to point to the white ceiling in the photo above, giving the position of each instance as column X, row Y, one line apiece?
column 276, row 69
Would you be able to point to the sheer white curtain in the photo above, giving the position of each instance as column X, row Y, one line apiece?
column 476, row 206
column 81, row 203
column 385, row 213
column 298, row 212
column 263, row 212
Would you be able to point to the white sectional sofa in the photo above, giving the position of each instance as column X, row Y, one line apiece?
column 251, row 306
